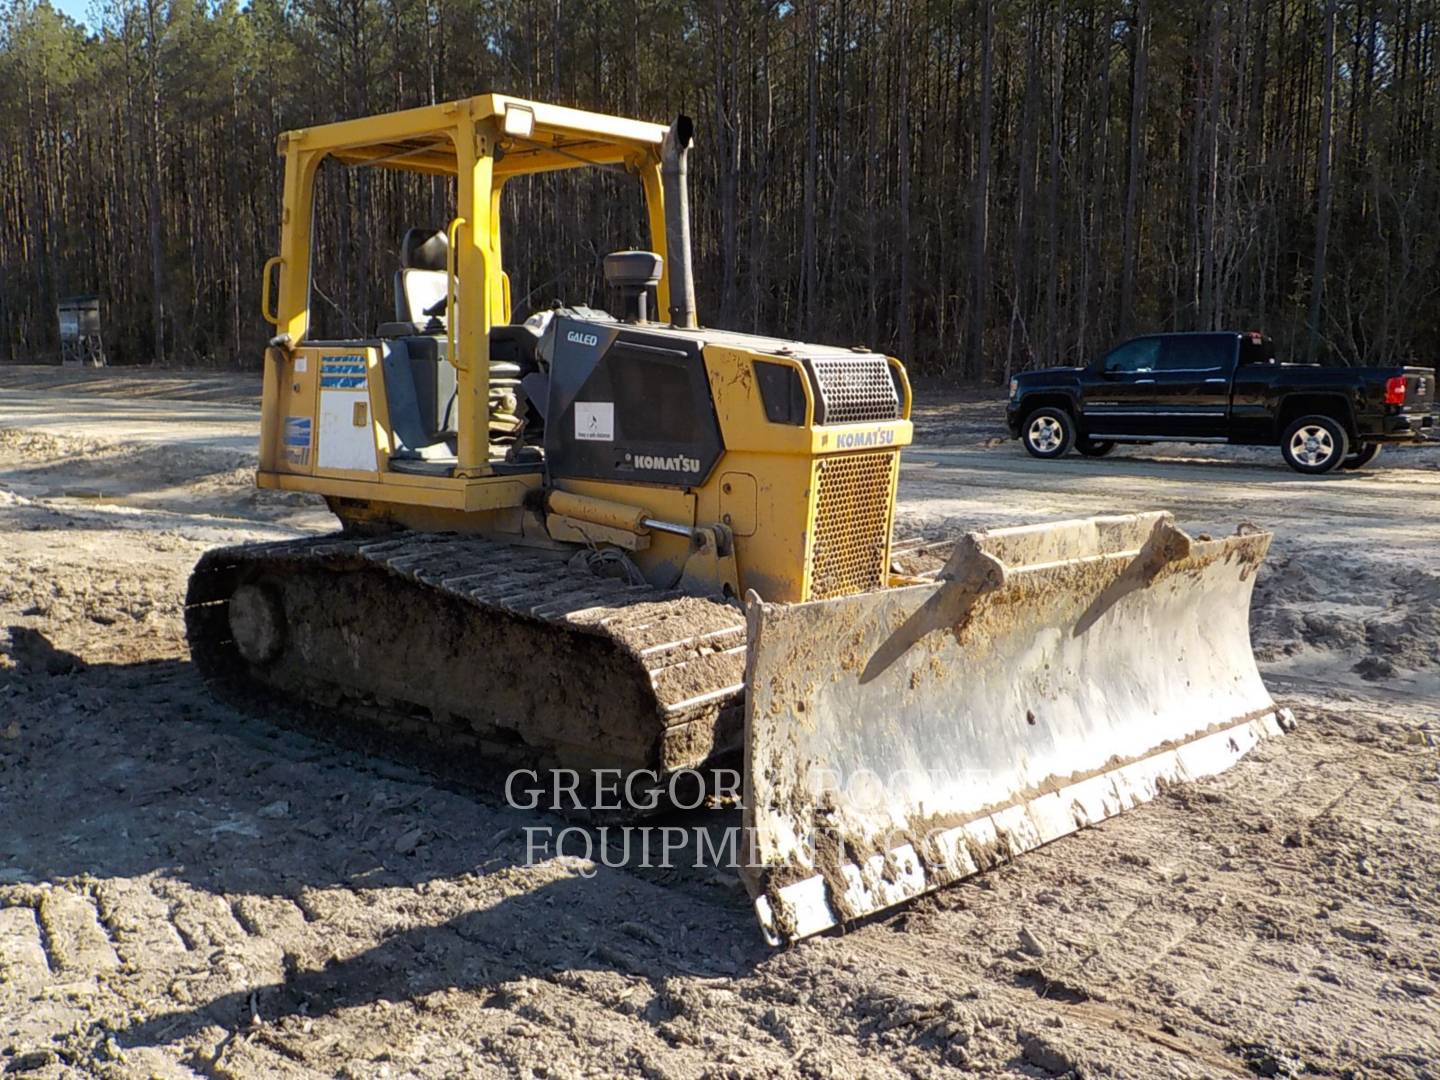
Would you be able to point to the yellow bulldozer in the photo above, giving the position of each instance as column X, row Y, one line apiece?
column 617, row 540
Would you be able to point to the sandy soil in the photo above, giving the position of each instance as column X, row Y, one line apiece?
column 130, row 383
column 186, row 890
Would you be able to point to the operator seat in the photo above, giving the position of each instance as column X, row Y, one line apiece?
column 420, row 379
column 420, row 285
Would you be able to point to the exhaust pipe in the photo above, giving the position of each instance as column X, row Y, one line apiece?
column 676, row 186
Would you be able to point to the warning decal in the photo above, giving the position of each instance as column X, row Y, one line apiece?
column 595, row 421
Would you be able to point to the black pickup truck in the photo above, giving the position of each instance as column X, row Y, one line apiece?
column 1222, row 388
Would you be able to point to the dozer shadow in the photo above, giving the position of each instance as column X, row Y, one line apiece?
column 531, row 935
column 94, row 785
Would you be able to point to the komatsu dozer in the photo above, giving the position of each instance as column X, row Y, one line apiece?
column 621, row 541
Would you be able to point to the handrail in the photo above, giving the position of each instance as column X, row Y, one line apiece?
column 452, row 234
column 274, row 260
column 899, row 369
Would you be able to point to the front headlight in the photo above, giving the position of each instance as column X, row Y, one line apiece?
column 1014, row 389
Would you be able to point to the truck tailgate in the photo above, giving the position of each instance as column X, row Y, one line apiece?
column 1419, row 390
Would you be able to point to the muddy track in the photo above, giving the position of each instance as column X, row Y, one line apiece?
column 454, row 652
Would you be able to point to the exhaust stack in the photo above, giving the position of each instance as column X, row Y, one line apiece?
column 675, row 183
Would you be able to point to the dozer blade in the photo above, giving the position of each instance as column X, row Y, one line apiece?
column 1052, row 676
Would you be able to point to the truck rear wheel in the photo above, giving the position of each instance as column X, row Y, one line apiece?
column 1049, row 432
column 1363, row 455
column 1094, row 447
column 1314, row 445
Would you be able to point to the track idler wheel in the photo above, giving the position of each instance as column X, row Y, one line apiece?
column 257, row 623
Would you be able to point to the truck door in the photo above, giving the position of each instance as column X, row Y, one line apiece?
column 1120, row 390
column 1252, row 392
column 1192, row 385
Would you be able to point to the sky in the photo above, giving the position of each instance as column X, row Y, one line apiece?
column 79, row 10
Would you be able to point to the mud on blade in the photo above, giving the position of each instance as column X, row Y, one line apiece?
column 1051, row 677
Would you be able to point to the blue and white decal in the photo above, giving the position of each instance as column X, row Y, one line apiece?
column 299, row 437
column 343, row 372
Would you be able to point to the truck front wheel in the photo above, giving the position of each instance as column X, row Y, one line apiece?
column 1314, row 445
column 1049, row 432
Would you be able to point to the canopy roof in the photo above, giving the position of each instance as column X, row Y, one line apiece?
column 423, row 140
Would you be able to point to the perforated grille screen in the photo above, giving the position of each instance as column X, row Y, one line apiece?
column 855, row 389
column 852, row 524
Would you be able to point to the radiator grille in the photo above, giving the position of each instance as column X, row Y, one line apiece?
column 852, row 523
column 854, row 389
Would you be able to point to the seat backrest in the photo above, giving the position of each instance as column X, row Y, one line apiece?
column 416, row 292
column 420, row 283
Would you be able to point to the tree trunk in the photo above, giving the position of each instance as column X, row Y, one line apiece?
column 904, row 314
column 727, row 154
column 1209, row 298
column 808, row 269
column 980, row 207
column 1130, row 225
column 1025, row 199
column 156, row 230
column 1052, row 283
column 1322, row 217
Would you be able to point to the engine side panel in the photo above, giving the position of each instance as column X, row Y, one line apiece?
column 631, row 405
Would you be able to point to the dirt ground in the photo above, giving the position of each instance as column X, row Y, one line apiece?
column 185, row 890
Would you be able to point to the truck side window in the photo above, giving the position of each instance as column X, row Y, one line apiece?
column 1253, row 351
column 1196, row 352
column 1137, row 355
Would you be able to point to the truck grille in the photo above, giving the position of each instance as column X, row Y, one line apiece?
column 854, row 495
column 854, row 389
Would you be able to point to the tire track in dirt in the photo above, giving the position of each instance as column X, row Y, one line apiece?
column 75, row 939
column 24, row 959
column 138, row 922
column 1034, row 1001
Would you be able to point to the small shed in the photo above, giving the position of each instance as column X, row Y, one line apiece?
column 80, row 341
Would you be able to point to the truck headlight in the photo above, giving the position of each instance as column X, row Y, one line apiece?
column 1014, row 389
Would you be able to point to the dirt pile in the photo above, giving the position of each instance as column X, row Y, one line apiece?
column 1374, row 614
column 1379, row 622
